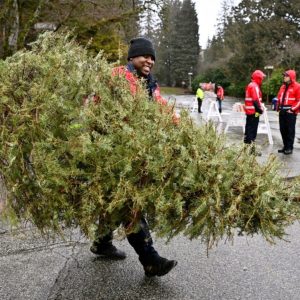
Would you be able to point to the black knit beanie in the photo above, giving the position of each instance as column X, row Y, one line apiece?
column 139, row 47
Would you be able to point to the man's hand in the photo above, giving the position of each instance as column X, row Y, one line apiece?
column 258, row 108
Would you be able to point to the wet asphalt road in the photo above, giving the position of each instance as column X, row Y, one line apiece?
column 249, row 268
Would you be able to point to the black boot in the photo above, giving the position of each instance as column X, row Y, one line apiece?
column 281, row 150
column 160, row 267
column 288, row 151
column 107, row 250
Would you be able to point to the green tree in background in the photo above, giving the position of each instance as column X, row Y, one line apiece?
column 103, row 24
column 177, row 42
column 185, row 43
column 255, row 34
column 16, row 19
column 165, row 33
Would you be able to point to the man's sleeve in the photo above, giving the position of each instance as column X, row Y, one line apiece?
column 161, row 100
column 158, row 97
column 296, row 107
column 255, row 96
column 201, row 94
column 257, row 107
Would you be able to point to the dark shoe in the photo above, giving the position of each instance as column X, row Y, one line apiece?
column 281, row 150
column 160, row 268
column 109, row 251
column 288, row 151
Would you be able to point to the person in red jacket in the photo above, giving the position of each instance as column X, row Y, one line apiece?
column 288, row 105
column 220, row 96
column 141, row 59
column 253, row 106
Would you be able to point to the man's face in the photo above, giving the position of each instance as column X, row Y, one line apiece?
column 143, row 64
column 286, row 78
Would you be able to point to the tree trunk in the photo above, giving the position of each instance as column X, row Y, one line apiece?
column 15, row 28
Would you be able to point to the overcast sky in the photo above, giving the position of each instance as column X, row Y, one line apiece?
column 208, row 12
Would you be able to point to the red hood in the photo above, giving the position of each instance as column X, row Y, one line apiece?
column 258, row 76
column 292, row 75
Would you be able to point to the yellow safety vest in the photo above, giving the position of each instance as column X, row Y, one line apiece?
column 200, row 94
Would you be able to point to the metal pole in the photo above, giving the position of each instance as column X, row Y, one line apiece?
column 268, row 83
column 268, row 68
column 190, row 80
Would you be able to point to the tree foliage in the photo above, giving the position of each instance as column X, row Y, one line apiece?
column 121, row 156
column 166, row 31
column 185, row 43
column 102, row 24
column 256, row 34
column 178, row 42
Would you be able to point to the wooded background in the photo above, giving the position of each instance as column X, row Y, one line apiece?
column 249, row 36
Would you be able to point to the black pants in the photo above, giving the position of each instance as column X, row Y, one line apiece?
column 251, row 129
column 220, row 105
column 199, row 104
column 287, row 124
column 141, row 242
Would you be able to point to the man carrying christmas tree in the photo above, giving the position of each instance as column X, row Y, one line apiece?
column 141, row 58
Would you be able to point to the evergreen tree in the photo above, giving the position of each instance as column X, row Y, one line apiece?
column 166, row 31
column 185, row 43
column 149, row 21
column 16, row 21
column 101, row 24
column 253, row 35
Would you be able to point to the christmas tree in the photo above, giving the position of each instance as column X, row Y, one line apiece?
column 120, row 156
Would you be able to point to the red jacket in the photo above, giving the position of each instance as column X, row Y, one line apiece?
column 253, row 97
column 220, row 93
column 153, row 88
column 289, row 95
column 133, row 80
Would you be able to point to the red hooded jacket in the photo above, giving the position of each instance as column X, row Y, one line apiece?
column 253, row 97
column 289, row 94
column 220, row 93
